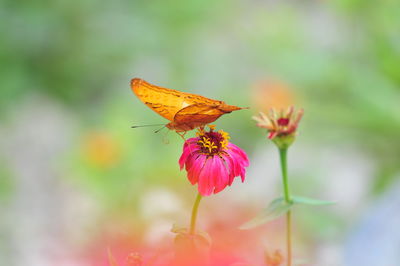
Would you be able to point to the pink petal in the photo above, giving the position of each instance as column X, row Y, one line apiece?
column 231, row 167
column 184, row 156
column 242, row 174
column 218, row 177
column 239, row 162
column 272, row 134
column 194, row 172
column 191, row 151
column 189, row 162
column 221, row 175
column 206, row 182
column 192, row 141
column 188, row 149
column 242, row 154
column 236, row 159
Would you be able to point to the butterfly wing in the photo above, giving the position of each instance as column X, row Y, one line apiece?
column 165, row 102
column 198, row 115
column 186, row 111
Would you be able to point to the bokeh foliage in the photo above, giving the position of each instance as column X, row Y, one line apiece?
column 342, row 58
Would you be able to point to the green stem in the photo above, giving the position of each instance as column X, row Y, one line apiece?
column 283, row 157
column 194, row 214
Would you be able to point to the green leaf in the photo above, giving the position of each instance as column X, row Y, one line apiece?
column 178, row 230
column 111, row 259
column 275, row 209
column 310, row 201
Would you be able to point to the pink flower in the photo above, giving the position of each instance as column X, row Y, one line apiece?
column 212, row 162
column 280, row 123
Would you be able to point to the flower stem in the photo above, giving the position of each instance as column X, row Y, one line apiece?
column 194, row 214
column 288, row 200
column 283, row 156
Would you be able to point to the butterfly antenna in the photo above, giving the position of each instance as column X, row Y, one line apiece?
column 153, row 125
column 158, row 130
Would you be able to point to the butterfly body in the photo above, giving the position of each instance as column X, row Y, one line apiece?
column 186, row 111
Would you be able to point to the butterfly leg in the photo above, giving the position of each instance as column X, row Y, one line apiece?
column 182, row 135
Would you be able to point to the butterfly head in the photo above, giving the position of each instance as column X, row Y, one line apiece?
column 180, row 127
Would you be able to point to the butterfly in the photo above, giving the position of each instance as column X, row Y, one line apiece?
column 186, row 111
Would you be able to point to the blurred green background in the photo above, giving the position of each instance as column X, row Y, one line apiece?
column 75, row 179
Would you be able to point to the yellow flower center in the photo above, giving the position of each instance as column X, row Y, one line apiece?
column 212, row 142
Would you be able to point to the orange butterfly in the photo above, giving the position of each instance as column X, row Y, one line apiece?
column 186, row 111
